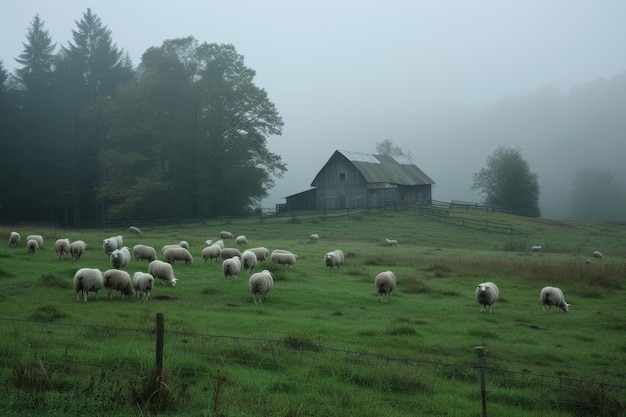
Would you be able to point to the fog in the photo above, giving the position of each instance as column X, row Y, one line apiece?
column 447, row 81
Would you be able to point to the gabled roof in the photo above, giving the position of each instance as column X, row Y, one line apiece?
column 385, row 169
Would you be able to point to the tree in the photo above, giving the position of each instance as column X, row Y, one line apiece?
column 598, row 195
column 506, row 181
column 388, row 148
column 37, row 59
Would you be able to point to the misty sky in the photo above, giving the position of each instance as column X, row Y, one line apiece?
column 349, row 74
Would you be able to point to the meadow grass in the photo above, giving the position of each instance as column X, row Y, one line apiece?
column 294, row 354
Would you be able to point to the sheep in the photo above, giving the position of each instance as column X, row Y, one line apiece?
column 112, row 243
column 225, row 235
column 536, row 248
column 241, row 240
column 385, row 284
column 391, row 242
column 261, row 253
column 211, row 252
column 120, row 258
column 283, row 257
column 162, row 270
column 260, row 284
column 227, row 253
column 134, row 230
column 248, row 260
column 172, row 255
column 116, row 279
column 77, row 248
column 141, row 252
column 208, row 242
column 87, row 279
column 597, row 254
column 184, row 244
column 32, row 246
column 487, row 294
column 334, row 258
column 219, row 243
column 587, row 261
column 166, row 247
column 38, row 238
column 553, row 296
column 62, row 247
column 314, row 237
column 14, row 239
column 231, row 267
column 143, row 284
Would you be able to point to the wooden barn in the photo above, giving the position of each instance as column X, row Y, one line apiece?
column 360, row 180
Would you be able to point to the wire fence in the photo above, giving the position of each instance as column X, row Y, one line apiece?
column 74, row 369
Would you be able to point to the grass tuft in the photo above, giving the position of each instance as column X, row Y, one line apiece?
column 47, row 313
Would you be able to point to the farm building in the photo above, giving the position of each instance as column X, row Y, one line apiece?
column 361, row 180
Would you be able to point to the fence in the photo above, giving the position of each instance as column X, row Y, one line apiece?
column 74, row 369
column 441, row 210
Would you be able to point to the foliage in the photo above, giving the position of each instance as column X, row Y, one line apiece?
column 598, row 195
column 507, row 182
column 388, row 148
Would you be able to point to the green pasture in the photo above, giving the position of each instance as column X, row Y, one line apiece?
column 294, row 354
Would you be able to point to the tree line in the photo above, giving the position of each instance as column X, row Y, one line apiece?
column 87, row 137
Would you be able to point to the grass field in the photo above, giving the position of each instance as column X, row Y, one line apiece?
column 226, row 356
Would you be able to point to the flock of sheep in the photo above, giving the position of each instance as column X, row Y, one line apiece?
column 233, row 260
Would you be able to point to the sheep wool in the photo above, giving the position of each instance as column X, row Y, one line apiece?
column 241, row 240
column 314, row 237
column 120, row 258
column 211, row 252
column 162, row 270
column 391, row 242
column 32, row 246
column 226, row 235
column 87, row 279
column 38, row 238
column 334, row 258
column 487, row 294
column 77, row 248
column 14, row 239
column 171, row 255
column 553, row 296
column 141, row 252
column 112, row 243
column 261, row 253
column 116, row 279
column 227, row 253
column 143, row 284
column 284, row 257
column 260, row 284
column 134, row 230
column 248, row 260
column 231, row 267
column 62, row 247
column 597, row 254
column 385, row 283
column 184, row 244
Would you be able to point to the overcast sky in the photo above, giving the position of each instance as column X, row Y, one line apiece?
column 349, row 74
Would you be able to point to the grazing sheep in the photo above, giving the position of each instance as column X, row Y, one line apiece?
column 231, row 267
column 260, row 284
column 208, row 242
column 141, row 252
column 219, row 243
column 261, row 253
column 314, row 237
column 162, row 270
column 588, row 261
column 241, row 240
column 172, row 255
column 14, row 239
column 143, row 284
column 62, row 247
column 385, row 283
column 597, row 254
column 227, row 253
column 32, row 246
column 112, row 243
column 184, row 244
column 487, row 294
column 87, row 279
column 134, row 230
column 77, row 248
column 166, row 247
column 248, row 260
column 334, row 258
column 225, row 235
column 553, row 296
column 38, row 238
column 211, row 252
column 120, row 258
column 283, row 257
column 116, row 279
column 536, row 248
column 391, row 242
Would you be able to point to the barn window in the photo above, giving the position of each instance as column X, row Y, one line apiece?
column 342, row 177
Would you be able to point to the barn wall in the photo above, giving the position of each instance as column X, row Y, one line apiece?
column 340, row 185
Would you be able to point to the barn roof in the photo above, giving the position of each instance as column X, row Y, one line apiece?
column 385, row 169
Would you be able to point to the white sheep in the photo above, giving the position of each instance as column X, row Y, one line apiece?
column 143, row 284
column 536, row 248
column 14, row 239
column 553, row 296
column 385, row 283
column 241, row 240
column 171, row 255
column 184, row 244
column 334, row 258
column 391, row 242
column 38, row 238
column 77, row 248
column 597, row 254
column 208, row 242
column 314, row 237
column 284, row 257
column 112, row 243
column 62, row 247
column 231, row 267
column 226, row 235
column 219, row 243
column 32, row 246
column 487, row 294
column 141, row 252
column 260, row 284
column 134, row 230
column 227, row 253
column 211, row 252
column 116, row 279
column 162, row 270
column 87, row 279
column 166, row 247
column 248, row 260
column 261, row 253
column 120, row 258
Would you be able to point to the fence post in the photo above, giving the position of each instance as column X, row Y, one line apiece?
column 482, row 369
column 160, row 332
